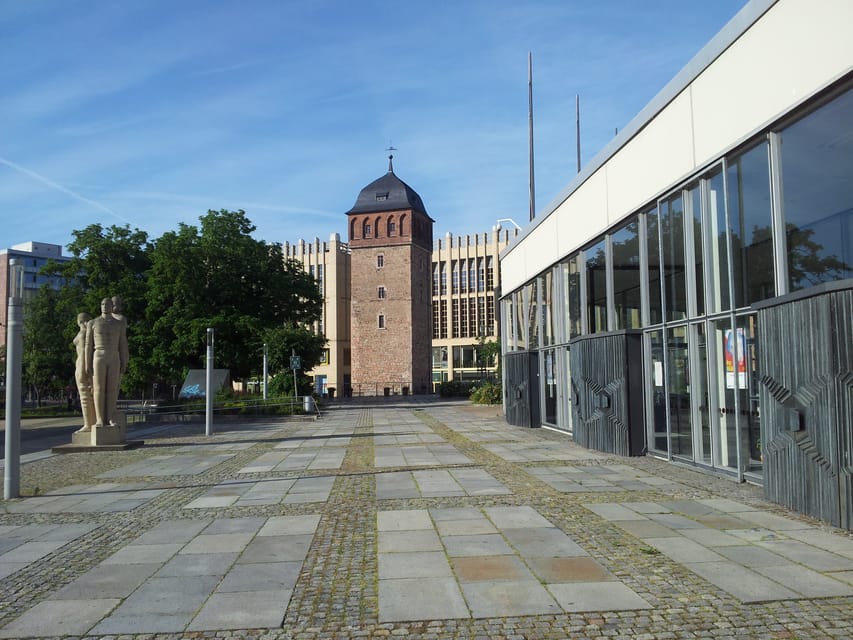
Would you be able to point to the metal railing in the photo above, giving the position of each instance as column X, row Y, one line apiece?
column 152, row 410
column 361, row 389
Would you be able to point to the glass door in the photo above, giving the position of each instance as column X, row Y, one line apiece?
column 723, row 381
column 703, row 439
column 678, row 377
column 549, row 388
column 565, row 400
column 655, row 392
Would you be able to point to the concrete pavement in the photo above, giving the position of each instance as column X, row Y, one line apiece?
column 424, row 518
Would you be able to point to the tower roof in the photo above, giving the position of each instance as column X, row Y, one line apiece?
column 387, row 193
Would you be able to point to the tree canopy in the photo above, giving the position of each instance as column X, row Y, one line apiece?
column 173, row 288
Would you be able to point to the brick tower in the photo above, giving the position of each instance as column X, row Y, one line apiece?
column 390, row 239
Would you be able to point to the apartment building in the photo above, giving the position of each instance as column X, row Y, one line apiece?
column 33, row 256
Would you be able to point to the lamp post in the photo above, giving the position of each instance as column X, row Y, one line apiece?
column 14, row 355
column 511, row 221
column 265, row 370
column 208, row 391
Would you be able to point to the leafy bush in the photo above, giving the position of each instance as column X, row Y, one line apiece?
column 455, row 389
column 487, row 393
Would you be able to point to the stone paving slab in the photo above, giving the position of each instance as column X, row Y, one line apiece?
column 296, row 459
column 152, row 586
column 419, row 456
column 24, row 544
column 169, row 465
column 103, row 497
column 537, row 452
column 504, row 572
column 446, row 538
column 754, row 565
column 586, row 479
column 264, row 492
column 438, row 483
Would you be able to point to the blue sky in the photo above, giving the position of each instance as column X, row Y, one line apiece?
column 151, row 112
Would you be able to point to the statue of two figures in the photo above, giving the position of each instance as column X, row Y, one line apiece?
column 102, row 356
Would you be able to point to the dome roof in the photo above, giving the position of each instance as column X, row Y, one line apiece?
column 388, row 193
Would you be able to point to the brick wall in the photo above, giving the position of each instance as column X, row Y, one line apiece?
column 398, row 354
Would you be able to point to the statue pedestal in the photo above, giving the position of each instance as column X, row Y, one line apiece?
column 107, row 435
column 106, row 438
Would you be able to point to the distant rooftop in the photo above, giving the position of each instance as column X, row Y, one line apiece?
column 388, row 193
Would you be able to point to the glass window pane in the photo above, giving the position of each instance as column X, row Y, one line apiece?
column 748, row 184
column 672, row 237
column 718, row 251
column 653, row 274
column 694, row 198
column 626, row 275
column 596, row 287
column 572, row 296
column 532, row 316
column 520, row 321
column 817, row 165
column 547, row 283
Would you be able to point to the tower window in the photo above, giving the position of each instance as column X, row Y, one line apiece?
column 380, row 197
column 381, row 293
column 380, row 261
column 381, row 322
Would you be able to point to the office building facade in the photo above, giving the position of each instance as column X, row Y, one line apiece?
column 33, row 256
column 690, row 294
column 466, row 283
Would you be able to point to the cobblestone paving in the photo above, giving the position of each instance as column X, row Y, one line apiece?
column 433, row 445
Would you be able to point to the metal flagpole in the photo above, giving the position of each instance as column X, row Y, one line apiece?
column 578, row 127
column 530, row 130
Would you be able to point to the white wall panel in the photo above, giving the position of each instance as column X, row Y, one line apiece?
column 583, row 216
column 797, row 47
column 656, row 157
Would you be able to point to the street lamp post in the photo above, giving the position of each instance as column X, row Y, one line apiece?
column 14, row 356
column 208, row 391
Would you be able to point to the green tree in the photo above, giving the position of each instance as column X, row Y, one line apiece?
column 489, row 354
column 217, row 275
column 283, row 341
column 107, row 262
column 48, row 357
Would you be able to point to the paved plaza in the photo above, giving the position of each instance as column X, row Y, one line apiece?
column 422, row 519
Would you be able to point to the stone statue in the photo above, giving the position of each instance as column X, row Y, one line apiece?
column 84, row 379
column 118, row 314
column 106, row 361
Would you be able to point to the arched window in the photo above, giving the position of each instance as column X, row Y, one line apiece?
column 392, row 227
column 352, row 228
column 403, row 224
column 377, row 227
column 366, row 231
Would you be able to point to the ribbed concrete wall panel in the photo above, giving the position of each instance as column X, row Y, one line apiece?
column 806, row 374
column 607, row 393
column 522, row 390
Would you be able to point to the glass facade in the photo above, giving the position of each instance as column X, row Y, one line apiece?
column 773, row 216
column 817, row 165
column 625, row 252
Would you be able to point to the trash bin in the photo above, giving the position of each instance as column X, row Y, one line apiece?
column 387, row 391
column 308, row 404
column 405, row 391
column 331, row 392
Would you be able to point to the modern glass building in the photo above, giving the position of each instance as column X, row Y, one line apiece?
column 690, row 294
